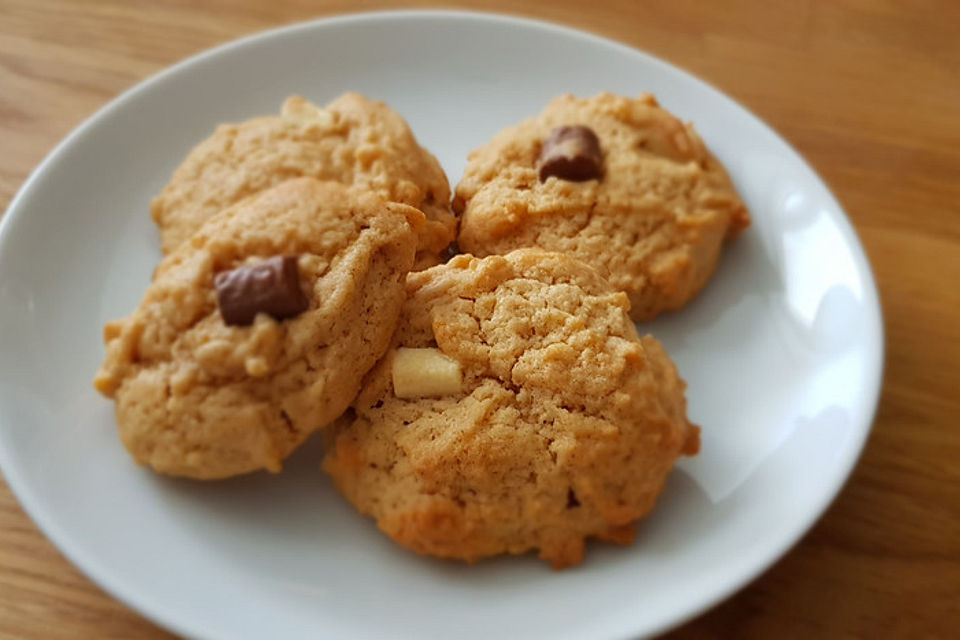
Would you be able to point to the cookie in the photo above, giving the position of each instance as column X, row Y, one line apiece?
column 257, row 331
column 650, row 207
column 352, row 140
column 517, row 409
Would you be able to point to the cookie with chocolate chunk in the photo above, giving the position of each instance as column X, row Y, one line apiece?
column 257, row 331
column 517, row 410
column 619, row 183
column 352, row 140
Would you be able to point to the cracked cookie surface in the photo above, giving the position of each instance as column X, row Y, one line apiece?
column 353, row 140
column 654, row 222
column 200, row 398
column 565, row 426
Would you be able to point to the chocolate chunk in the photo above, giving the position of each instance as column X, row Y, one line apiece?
column 271, row 287
column 571, row 153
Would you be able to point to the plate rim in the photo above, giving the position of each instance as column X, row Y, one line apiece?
column 168, row 618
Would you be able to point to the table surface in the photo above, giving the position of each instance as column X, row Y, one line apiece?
column 868, row 91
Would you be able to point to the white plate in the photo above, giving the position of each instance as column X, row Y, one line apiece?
column 783, row 354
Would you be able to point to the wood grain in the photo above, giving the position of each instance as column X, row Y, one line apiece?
column 867, row 90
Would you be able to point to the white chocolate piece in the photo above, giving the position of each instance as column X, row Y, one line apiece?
column 422, row 373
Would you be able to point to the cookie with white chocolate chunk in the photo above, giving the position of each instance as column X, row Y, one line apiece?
column 619, row 183
column 353, row 140
column 259, row 330
column 516, row 410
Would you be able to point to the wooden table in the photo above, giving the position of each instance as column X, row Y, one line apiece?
column 868, row 91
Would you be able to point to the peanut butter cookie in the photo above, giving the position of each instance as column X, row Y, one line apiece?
column 517, row 409
column 618, row 183
column 258, row 330
column 352, row 140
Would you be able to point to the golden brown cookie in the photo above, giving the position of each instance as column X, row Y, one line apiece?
column 198, row 397
column 532, row 416
column 352, row 140
column 653, row 222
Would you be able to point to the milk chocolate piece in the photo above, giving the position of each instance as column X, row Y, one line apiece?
column 271, row 287
column 571, row 153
